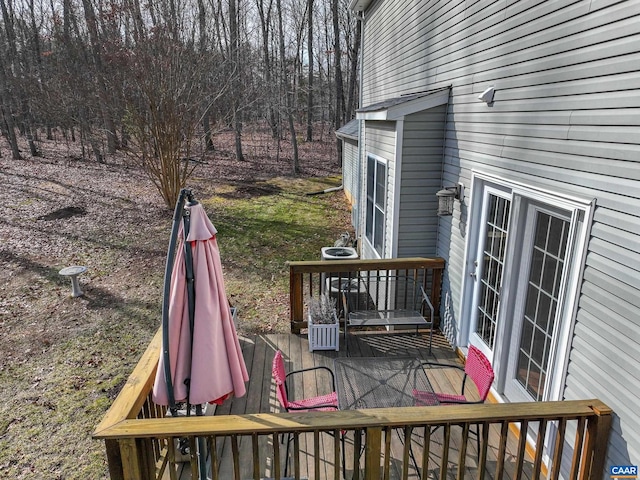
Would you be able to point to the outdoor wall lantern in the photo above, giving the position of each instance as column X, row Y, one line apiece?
column 446, row 196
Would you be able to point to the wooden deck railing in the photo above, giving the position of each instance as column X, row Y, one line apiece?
column 140, row 443
column 313, row 278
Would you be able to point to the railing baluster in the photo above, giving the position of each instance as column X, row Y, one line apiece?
column 556, row 462
column 577, row 450
column 537, row 462
column 256, row 456
column 235, row 453
column 336, row 454
column 296, row 454
column 463, row 451
column 316, row 453
column 171, row 454
column 444, row 467
column 193, row 458
column 277, row 471
column 522, row 444
column 426, row 450
column 482, row 454
column 388, row 432
column 357, row 443
column 215, row 464
column 502, row 449
column 406, row 451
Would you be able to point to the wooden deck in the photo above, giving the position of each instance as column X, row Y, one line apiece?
column 258, row 353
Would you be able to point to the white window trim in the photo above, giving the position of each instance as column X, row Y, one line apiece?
column 397, row 186
column 380, row 159
column 573, row 203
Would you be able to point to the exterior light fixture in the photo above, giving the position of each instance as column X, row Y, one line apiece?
column 446, row 196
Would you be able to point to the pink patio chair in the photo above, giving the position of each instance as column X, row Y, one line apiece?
column 478, row 368
column 320, row 403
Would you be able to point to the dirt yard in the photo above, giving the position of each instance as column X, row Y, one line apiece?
column 63, row 360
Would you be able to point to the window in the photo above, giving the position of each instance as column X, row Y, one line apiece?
column 376, row 195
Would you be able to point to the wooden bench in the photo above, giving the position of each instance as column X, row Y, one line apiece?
column 392, row 300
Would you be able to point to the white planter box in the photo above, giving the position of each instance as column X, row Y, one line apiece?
column 324, row 336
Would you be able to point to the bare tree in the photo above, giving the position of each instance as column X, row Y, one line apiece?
column 101, row 84
column 8, row 124
column 354, row 57
column 337, row 57
column 287, row 91
column 234, row 52
column 165, row 109
column 310, row 81
column 265, row 27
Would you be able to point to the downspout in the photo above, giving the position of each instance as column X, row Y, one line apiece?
column 360, row 132
column 444, row 148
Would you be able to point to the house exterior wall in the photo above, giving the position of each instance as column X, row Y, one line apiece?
column 379, row 140
column 350, row 172
column 566, row 119
column 421, row 172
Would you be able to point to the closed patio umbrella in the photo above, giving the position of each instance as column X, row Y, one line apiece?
column 202, row 360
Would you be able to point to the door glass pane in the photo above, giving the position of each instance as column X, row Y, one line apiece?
column 495, row 239
column 545, row 274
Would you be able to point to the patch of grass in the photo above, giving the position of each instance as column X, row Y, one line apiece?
column 258, row 235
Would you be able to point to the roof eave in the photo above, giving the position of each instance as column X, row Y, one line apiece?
column 359, row 5
column 397, row 112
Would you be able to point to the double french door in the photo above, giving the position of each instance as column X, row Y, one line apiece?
column 523, row 259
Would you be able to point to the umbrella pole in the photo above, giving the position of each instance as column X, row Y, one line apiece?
column 191, row 303
column 171, row 253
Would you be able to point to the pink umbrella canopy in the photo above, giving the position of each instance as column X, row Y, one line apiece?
column 210, row 359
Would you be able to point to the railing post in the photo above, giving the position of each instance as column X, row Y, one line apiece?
column 133, row 467
column 114, row 460
column 295, row 299
column 596, row 442
column 372, row 453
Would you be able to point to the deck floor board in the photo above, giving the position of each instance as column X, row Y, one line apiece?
column 258, row 351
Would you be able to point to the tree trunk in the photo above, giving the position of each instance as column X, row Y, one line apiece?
column 28, row 131
column 138, row 23
column 310, row 86
column 10, row 131
column 285, row 82
column 339, row 113
column 352, row 102
column 90, row 18
column 206, row 118
column 7, row 114
column 236, row 83
column 265, row 22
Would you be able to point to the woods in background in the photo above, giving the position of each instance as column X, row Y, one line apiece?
column 158, row 78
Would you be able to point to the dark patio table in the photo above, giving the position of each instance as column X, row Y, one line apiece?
column 380, row 382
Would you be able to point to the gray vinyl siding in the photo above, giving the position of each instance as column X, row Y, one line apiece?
column 565, row 119
column 380, row 140
column 421, row 178
column 350, row 175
